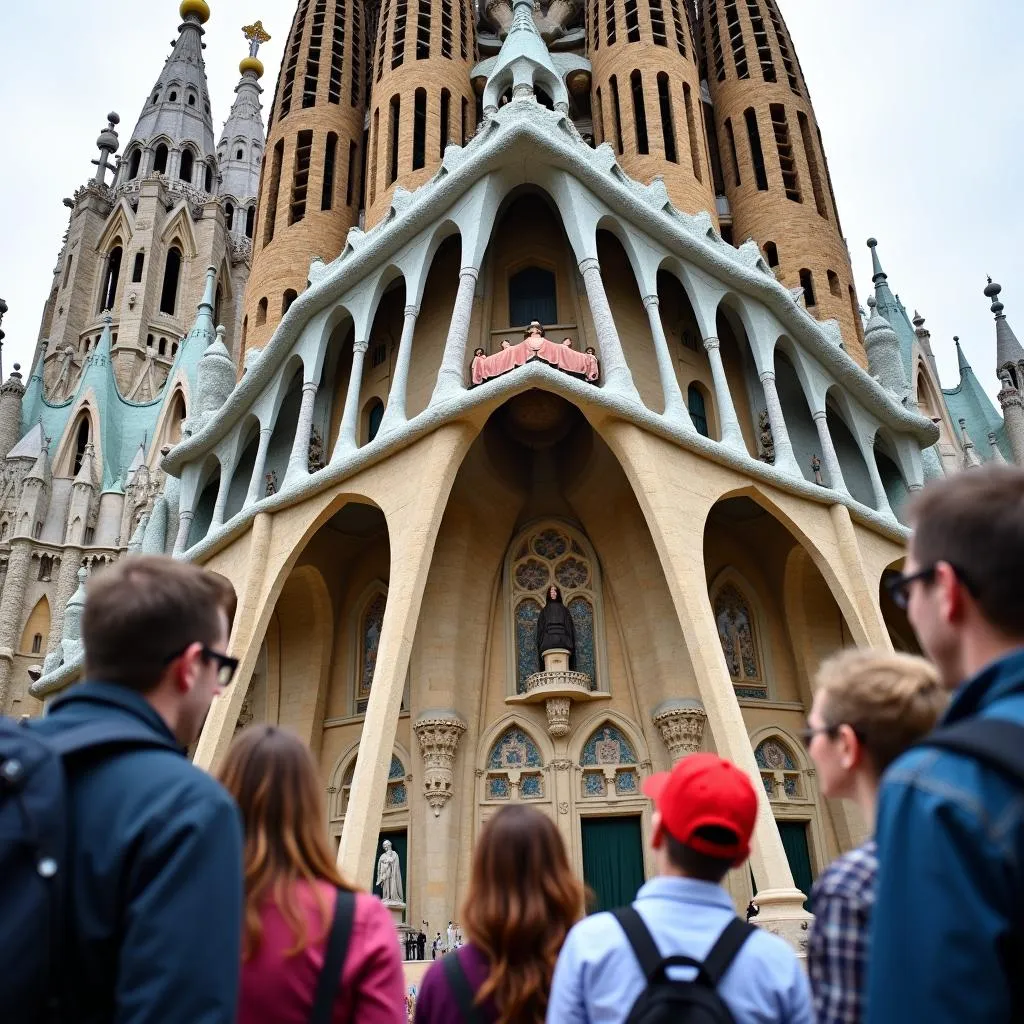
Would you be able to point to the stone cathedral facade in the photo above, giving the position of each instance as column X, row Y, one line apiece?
column 702, row 443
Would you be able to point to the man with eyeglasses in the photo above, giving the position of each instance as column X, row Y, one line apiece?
column 947, row 936
column 153, row 926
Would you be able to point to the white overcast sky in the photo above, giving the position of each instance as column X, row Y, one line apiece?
column 920, row 102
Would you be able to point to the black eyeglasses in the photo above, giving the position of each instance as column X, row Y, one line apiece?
column 898, row 585
column 807, row 735
column 226, row 665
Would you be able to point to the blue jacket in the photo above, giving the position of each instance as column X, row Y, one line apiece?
column 156, row 887
column 951, row 874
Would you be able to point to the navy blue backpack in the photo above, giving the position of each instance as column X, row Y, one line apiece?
column 34, row 853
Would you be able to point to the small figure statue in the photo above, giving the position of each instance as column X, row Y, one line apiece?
column 767, row 441
column 389, row 875
column 271, row 483
column 816, row 468
column 555, row 627
column 478, row 353
column 315, row 457
column 451, row 937
column 567, row 342
column 505, row 343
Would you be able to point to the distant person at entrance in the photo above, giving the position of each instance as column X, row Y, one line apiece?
column 313, row 949
column 869, row 707
column 948, row 925
column 523, row 898
column 612, row 964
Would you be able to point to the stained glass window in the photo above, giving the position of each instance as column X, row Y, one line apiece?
column 607, row 746
column 780, row 772
column 737, row 633
column 551, row 555
column 370, row 627
column 774, row 755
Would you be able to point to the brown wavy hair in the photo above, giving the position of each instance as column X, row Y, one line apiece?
column 523, row 898
column 272, row 776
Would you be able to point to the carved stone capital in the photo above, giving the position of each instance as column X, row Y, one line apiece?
column 681, row 724
column 438, row 733
column 711, row 343
column 561, row 764
column 360, row 346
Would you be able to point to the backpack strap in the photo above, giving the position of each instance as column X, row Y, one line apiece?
column 461, row 989
column 329, row 981
column 995, row 742
column 644, row 947
column 107, row 732
column 724, row 951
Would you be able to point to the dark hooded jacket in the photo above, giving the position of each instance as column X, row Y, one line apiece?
column 155, row 905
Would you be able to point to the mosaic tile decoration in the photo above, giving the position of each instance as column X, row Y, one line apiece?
column 583, row 621
column 607, row 746
column 397, row 795
column 791, row 785
column 527, row 658
column 531, row 787
column 514, row 749
column 498, row 788
column 627, row 783
column 774, row 756
column 396, row 771
column 769, row 784
column 594, row 784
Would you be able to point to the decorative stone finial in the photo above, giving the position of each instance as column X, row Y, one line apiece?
column 196, row 8
column 438, row 732
column 107, row 144
column 681, row 724
column 257, row 35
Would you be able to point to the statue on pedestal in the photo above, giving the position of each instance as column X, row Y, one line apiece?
column 389, row 875
column 555, row 629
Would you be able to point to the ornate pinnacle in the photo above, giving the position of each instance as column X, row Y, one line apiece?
column 257, row 36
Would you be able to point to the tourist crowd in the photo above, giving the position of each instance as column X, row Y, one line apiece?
column 177, row 898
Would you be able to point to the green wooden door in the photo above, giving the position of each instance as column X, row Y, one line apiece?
column 798, row 853
column 400, row 844
column 613, row 860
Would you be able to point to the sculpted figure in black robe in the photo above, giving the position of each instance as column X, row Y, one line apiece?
column 555, row 628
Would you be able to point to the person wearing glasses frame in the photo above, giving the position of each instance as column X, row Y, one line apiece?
column 950, row 822
column 155, row 880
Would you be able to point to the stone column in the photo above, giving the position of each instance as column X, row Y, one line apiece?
column 67, row 584
column 184, row 528
column 681, row 724
column 881, row 498
column 255, row 491
column 11, row 601
column 785, row 460
column 613, row 361
column 451, row 378
column 298, row 460
column 350, row 417
column 222, row 497
column 732, row 436
column 394, row 414
column 438, row 733
column 828, row 453
column 675, row 407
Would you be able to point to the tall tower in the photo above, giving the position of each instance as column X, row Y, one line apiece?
column 646, row 95
column 422, row 98
column 310, row 187
column 774, row 167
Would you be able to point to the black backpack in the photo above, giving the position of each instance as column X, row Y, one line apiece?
column 34, row 852
column 666, row 1000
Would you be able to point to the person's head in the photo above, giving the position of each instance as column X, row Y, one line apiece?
column 705, row 810
column 961, row 581
column 869, row 707
column 478, row 351
column 274, row 780
column 160, row 627
column 567, row 341
column 523, row 898
column 554, row 594
column 591, row 350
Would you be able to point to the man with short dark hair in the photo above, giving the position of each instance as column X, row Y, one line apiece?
column 153, row 926
column 948, row 924
column 705, row 810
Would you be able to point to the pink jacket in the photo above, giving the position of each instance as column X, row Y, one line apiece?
column 279, row 990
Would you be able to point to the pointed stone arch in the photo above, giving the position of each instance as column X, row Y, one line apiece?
column 64, row 459
column 36, row 634
column 119, row 228
column 513, row 766
column 178, row 230
column 396, row 802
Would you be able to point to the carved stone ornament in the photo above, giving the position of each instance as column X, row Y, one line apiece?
column 558, row 715
column 681, row 724
column 439, row 733
column 765, row 438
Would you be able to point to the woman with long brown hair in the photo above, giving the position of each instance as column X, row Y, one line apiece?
column 296, row 963
column 523, row 898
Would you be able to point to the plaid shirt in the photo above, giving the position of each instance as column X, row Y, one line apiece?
column 837, row 951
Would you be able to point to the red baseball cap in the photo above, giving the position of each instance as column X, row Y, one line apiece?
column 705, row 789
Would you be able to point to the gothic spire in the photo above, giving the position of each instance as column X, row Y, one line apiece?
column 240, row 149
column 1009, row 354
column 178, row 105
